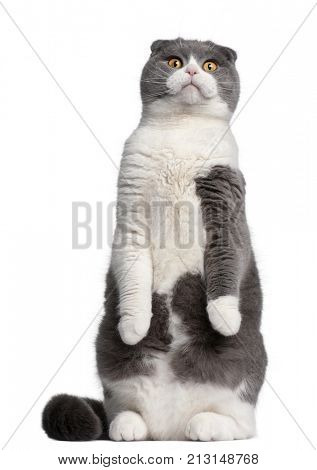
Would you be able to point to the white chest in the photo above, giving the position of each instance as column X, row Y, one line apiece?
column 168, row 159
column 191, row 138
column 177, row 231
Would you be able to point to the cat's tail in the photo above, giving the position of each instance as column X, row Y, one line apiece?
column 70, row 418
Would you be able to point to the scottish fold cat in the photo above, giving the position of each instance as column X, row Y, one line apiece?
column 179, row 350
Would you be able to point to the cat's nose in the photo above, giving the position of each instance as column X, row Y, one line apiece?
column 191, row 69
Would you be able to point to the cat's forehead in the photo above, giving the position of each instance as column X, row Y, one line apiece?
column 187, row 48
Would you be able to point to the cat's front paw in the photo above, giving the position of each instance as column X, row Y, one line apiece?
column 133, row 328
column 224, row 314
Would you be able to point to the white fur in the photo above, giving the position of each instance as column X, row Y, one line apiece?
column 224, row 314
column 133, row 271
column 210, row 426
column 133, row 328
column 128, row 426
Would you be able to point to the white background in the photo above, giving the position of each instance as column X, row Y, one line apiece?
column 50, row 293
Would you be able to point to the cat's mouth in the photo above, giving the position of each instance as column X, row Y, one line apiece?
column 191, row 89
column 191, row 86
column 190, row 82
column 197, row 87
column 191, row 93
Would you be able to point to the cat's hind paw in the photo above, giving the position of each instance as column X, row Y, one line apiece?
column 224, row 314
column 210, row 427
column 128, row 426
column 133, row 328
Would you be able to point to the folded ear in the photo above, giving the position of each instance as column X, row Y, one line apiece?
column 158, row 44
column 230, row 54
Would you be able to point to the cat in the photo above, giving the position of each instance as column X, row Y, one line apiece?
column 179, row 351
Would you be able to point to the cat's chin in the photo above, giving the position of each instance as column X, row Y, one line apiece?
column 190, row 94
column 194, row 95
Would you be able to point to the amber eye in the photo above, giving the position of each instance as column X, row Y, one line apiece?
column 175, row 63
column 210, row 66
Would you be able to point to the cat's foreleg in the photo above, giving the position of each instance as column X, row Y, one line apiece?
column 132, row 266
column 222, row 199
column 222, row 265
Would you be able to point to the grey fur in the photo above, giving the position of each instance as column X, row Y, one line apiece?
column 156, row 71
column 228, row 246
column 211, row 357
column 70, row 418
column 117, row 360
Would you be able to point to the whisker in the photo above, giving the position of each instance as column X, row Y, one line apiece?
column 154, row 81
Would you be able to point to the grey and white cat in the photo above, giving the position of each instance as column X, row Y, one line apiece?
column 179, row 350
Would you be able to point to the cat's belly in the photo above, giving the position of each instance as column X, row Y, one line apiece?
column 176, row 373
column 165, row 403
column 171, row 264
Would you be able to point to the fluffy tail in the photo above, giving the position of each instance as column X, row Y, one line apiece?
column 70, row 418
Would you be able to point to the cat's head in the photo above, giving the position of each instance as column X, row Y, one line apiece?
column 190, row 72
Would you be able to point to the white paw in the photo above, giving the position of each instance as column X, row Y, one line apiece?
column 224, row 314
column 128, row 426
column 210, row 427
column 133, row 328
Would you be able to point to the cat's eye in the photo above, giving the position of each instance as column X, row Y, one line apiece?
column 210, row 66
column 175, row 63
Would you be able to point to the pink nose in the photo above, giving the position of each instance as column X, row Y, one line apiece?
column 191, row 69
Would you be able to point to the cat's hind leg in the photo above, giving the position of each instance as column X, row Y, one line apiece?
column 213, row 426
column 128, row 426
